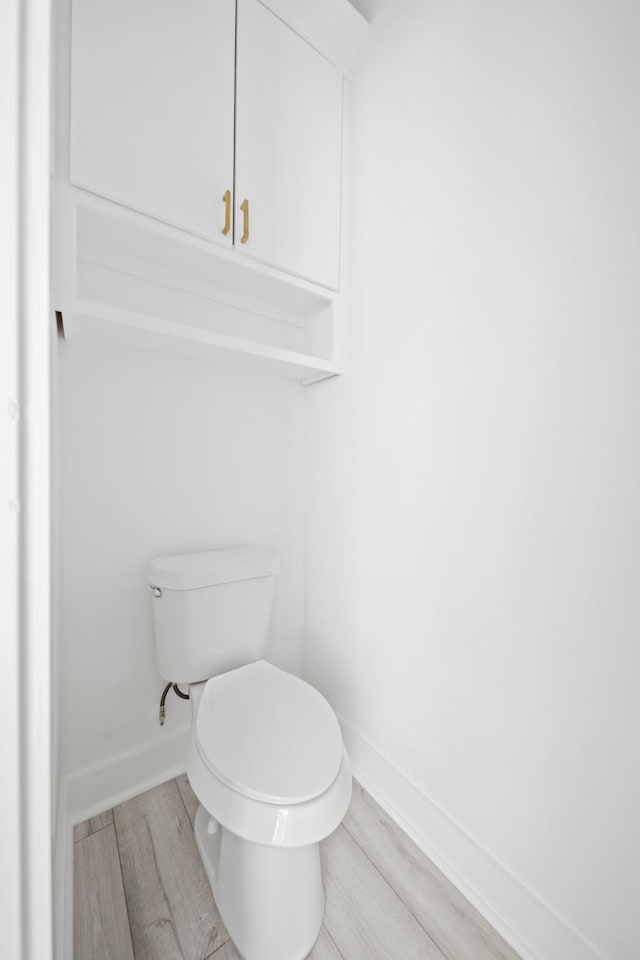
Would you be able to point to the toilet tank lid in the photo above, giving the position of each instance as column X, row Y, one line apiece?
column 189, row 571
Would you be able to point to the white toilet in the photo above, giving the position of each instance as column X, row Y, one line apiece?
column 266, row 758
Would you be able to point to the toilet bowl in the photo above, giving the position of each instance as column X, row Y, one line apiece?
column 265, row 758
column 267, row 764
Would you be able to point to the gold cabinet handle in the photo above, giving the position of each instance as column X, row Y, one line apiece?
column 227, row 212
column 244, row 206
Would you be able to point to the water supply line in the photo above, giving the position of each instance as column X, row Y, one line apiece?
column 177, row 691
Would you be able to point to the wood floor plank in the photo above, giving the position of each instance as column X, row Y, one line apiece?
column 101, row 924
column 324, row 949
column 92, row 825
column 173, row 915
column 458, row 929
column 189, row 798
column 226, row 952
column 365, row 917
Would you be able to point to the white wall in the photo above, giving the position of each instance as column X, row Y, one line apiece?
column 473, row 553
column 161, row 456
column 365, row 7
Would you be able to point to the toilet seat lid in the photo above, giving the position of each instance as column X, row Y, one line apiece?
column 268, row 735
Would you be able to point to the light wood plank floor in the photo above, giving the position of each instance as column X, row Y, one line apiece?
column 141, row 892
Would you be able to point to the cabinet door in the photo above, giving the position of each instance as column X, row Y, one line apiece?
column 152, row 101
column 288, row 148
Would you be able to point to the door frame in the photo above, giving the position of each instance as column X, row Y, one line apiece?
column 26, row 805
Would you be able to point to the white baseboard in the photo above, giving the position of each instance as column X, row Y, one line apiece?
column 533, row 928
column 98, row 788
column 93, row 790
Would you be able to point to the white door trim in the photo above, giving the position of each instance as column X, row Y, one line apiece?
column 25, row 513
column 9, row 447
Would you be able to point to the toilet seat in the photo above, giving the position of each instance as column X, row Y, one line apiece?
column 268, row 735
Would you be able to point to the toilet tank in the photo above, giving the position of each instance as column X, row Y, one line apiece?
column 211, row 610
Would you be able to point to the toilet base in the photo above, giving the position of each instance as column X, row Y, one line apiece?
column 270, row 898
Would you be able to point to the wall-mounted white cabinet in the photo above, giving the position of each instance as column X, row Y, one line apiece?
column 210, row 134
column 288, row 148
column 156, row 90
column 152, row 104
